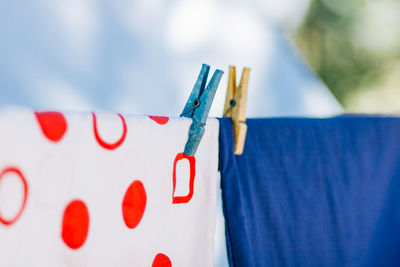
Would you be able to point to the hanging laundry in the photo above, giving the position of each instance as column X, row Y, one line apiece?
column 104, row 189
column 313, row 192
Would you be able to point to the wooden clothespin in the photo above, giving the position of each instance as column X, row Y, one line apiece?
column 198, row 106
column 235, row 106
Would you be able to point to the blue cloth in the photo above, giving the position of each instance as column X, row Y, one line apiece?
column 313, row 192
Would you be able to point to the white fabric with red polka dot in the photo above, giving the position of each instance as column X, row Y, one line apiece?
column 103, row 189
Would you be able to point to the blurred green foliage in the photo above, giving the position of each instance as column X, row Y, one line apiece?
column 354, row 46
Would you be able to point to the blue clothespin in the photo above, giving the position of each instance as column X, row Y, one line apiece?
column 198, row 106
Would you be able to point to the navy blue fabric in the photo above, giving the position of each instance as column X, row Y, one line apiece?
column 313, row 192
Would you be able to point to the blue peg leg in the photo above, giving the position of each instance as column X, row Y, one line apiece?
column 195, row 135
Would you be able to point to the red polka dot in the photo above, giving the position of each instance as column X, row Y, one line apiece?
column 160, row 120
column 188, row 197
column 53, row 124
column 134, row 204
column 22, row 178
column 104, row 144
column 161, row 260
column 75, row 225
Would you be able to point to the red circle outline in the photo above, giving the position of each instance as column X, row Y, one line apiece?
column 25, row 184
column 188, row 197
column 104, row 144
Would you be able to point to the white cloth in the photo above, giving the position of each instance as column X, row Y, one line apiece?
column 69, row 198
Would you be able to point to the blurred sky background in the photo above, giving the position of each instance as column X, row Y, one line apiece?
column 143, row 56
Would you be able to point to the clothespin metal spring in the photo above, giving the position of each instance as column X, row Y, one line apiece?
column 196, row 104
column 232, row 103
